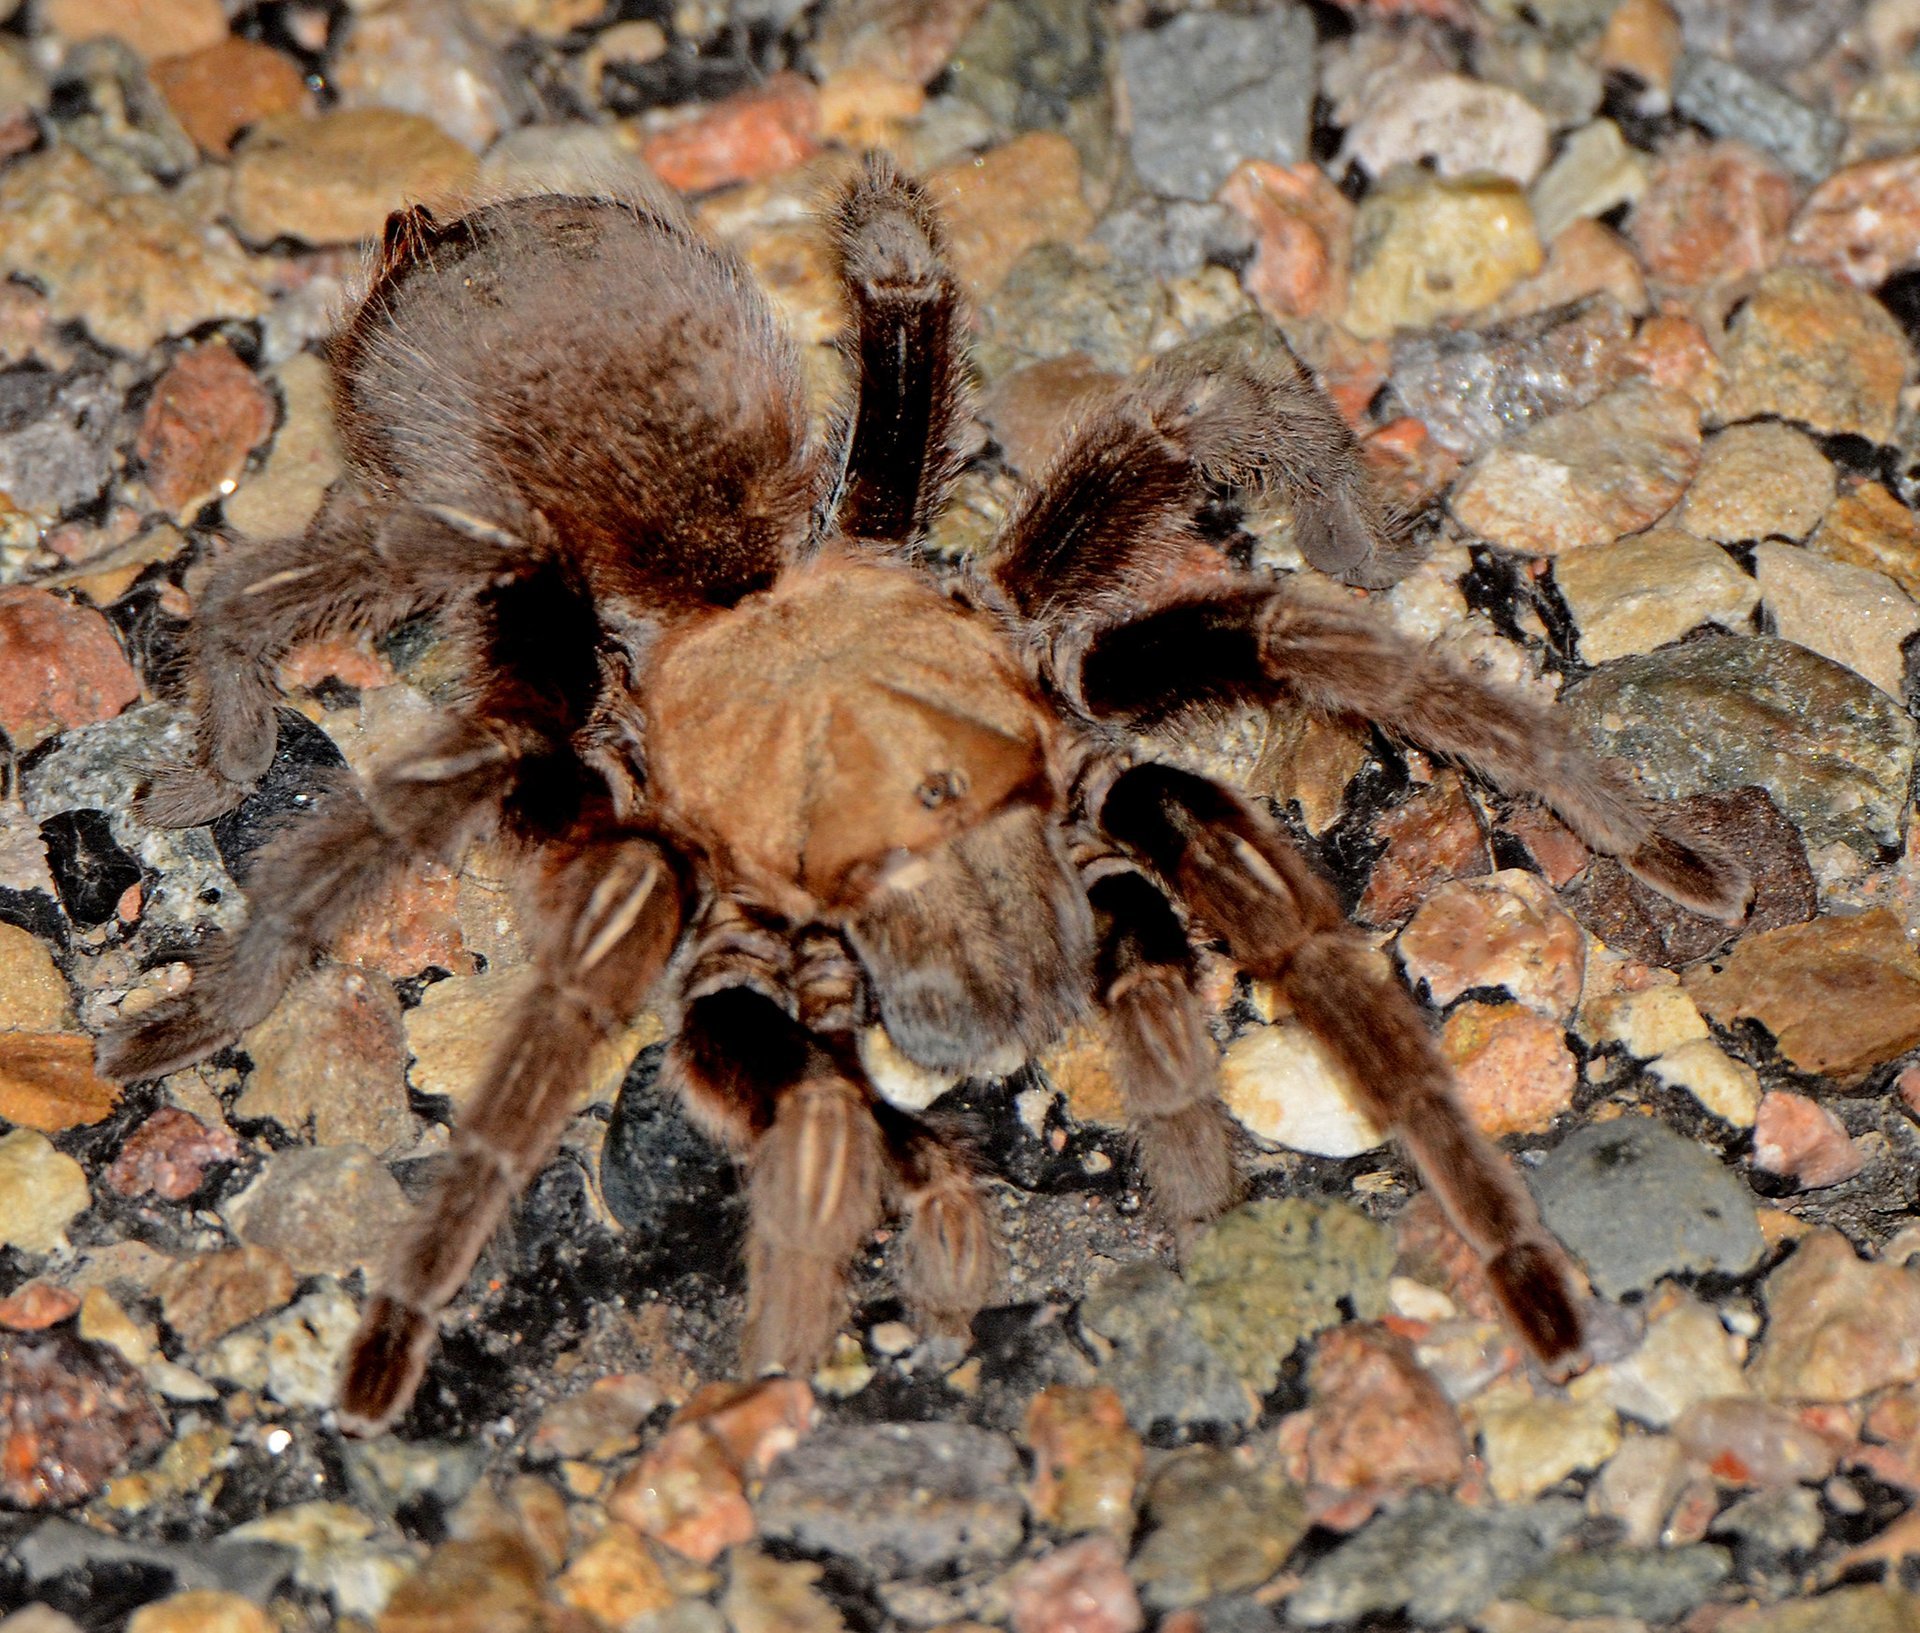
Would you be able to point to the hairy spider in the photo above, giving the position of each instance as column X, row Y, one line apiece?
column 766, row 761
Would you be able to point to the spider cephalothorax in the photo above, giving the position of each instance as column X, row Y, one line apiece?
column 758, row 753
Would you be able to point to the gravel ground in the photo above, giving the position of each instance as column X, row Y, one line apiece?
column 1622, row 298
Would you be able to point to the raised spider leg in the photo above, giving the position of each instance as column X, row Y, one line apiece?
column 905, row 345
column 614, row 912
column 306, row 885
column 1237, row 873
column 1267, row 646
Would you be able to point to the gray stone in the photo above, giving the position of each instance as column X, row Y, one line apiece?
column 1040, row 65
column 1160, row 1366
column 56, row 439
column 1733, row 103
column 1168, row 238
column 1834, row 751
column 1434, row 1557
column 1055, row 301
column 1658, row 1585
column 1636, row 1201
column 902, row 1498
column 324, row 1209
column 1783, row 1520
column 1208, row 90
column 1215, row 1527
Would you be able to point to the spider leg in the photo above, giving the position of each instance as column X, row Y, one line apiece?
column 1267, row 646
column 1143, row 978
column 1237, row 873
column 306, row 885
column 901, row 437
column 1112, row 515
column 616, row 908
column 951, row 1260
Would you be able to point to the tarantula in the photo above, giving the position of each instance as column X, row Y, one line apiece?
column 767, row 761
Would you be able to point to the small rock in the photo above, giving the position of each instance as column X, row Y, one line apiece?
column 36, row 1305
column 221, row 89
column 423, row 57
column 1788, row 979
column 1636, row 1202
column 332, row 1057
column 1435, row 836
column 1208, row 90
column 1426, row 248
column 91, row 872
column 1159, row 1364
column 201, row 1610
column 614, row 1578
column 471, row 1586
column 42, row 1191
column 1657, row 1584
column 326, row 1210
column 1712, row 214
column 150, row 28
column 1849, row 614
column 1586, row 476
column 1686, row 1356
column 1784, row 1520
column 1302, row 228
column 1752, row 1442
column 1643, row 38
column 1378, row 1423
column 1501, row 931
column 47, row 1082
column 1862, row 224
column 1511, row 1065
column 57, row 450
column 1284, row 1087
column 1757, row 481
column 1730, row 102
column 1641, row 592
column 335, row 177
column 1595, row 172
column 60, row 667
column 767, row 1596
column 599, row 1423
column 1649, row 1022
column 1081, row 1587
column 72, row 1415
column 748, row 136
column 1800, row 1139
column 1010, row 198
column 281, row 498
column 206, row 415
column 1056, row 300
column 1086, row 1460
column 1463, row 126
column 1838, row 1327
column 1213, row 1527
column 1031, row 407
column 297, row 1356
column 1638, row 1486
column 1870, row 528
column 205, row 1298
column 169, row 1154
column 1858, row 1610
column 1808, row 348
column 1832, row 749
column 33, row 992
column 1531, row 1442
column 1586, row 260
column 1728, row 1088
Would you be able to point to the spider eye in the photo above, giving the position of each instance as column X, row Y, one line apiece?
column 939, row 787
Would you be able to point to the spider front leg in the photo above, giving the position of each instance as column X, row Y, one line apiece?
column 614, row 910
column 1237, row 874
column 1268, row 647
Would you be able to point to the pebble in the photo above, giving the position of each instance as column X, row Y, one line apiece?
column 1686, row 1356
column 1786, row 979
column 1595, row 172
column 1056, row 300
column 1800, row 1139
column 149, row 28
column 1427, row 248
column 1378, row 1423
column 333, row 178
column 169, row 1154
column 1643, row 591
column 1838, row 1326
column 905, row 1498
column 37, row 1304
column 1730, row 102
column 332, row 1058
column 1857, row 1609
column 1086, row 1460
column 1586, row 476
column 282, row 496
column 1285, row 1088
column 42, row 1191
column 1157, row 1362
column 1833, row 750
column 768, row 1596
column 201, row 1610
column 221, row 89
column 1270, row 1274
column 1302, row 227
column 1208, row 90
column 1659, row 1585
column 470, row 1585
column 1728, row 1088
column 1505, row 931
column 599, row 1423
column 1636, row 1202
column 1643, row 38
column 1752, row 1442
column 614, row 1578
column 1081, row 1587
column 1511, row 1066
column 1460, row 126
column 57, row 451
column 60, row 667
column 47, row 1082
column 297, row 1355
column 1759, row 481
column 1870, row 528
column 1003, row 202
column 1638, row 1487
column 72, row 1415
column 424, row 57
column 749, row 136
column 1862, row 224
column 1711, row 214
column 1435, row 836
column 1213, row 1526
column 204, row 1298
column 1532, row 1442
column 208, row 412
column 327, row 1210
column 1850, row 614
column 1806, row 347
column 133, row 267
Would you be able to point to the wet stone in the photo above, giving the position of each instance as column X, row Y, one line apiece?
column 1472, row 388
column 60, row 667
column 1850, row 614
column 1800, row 1139
column 904, row 1498
column 1757, row 481
column 42, row 1191
column 1208, row 90
column 207, row 414
column 1641, row 592
column 1659, row 1585
column 1833, row 750
column 1501, row 931
column 221, row 89
column 1838, row 1326
column 90, row 870
column 168, row 1156
column 325, row 1210
column 1426, row 248
column 1214, row 1527
column 1732, row 103
column 1159, row 1364
column 1710, row 214
column 332, row 1057
column 72, row 1415
column 1636, row 1202
column 1586, row 476
column 205, row 1298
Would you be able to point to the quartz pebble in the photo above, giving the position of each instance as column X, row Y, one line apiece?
column 1286, row 1088
column 1728, row 1088
column 423, row 57
column 1838, row 1326
column 1428, row 248
column 169, row 1154
column 1870, row 528
column 1463, row 126
column 305, row 459
column 1302, row 228
column 1511, row 1065
column 1800, row 1139
column 1641, row 592
column 745, row 137
column 1012, row 197
column 1595, row 172
column 1685, row 1356
column 1862, row 223
column 615, row 1579
column 42, row 1191
column 201, row 1610
column 33, row 993
column 1712, row 214
column 1638, row 1486
column 1752, row 1442
column 1501, row 931
column 1758, row 481
column 149, row 28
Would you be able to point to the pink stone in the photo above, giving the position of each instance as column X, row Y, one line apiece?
column 1512, row 1066
column 207, row 414
column 1745, row 1441
column 1800, row 1139
column 37, row 1304
column 1378, row 1424
column 169, row 1155
column 60, row 667
column 745, row 137
column 1502, row 931
column 1079, row 1588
